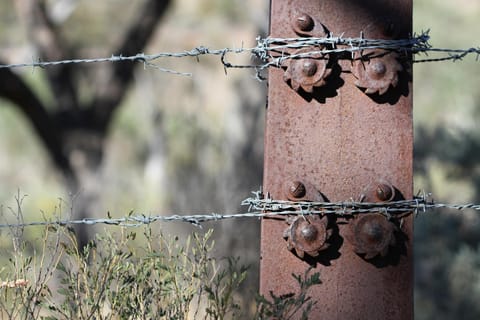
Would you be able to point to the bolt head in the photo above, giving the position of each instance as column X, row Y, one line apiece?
column 296, row 189
column 304, row 22
column 373, row 233
column 378, row 69
column 309, row 68
column 384, row 192
column 309, row 233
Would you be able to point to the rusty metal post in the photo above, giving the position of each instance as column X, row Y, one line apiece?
column 343, row 126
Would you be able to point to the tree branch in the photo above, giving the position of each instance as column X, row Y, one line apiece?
column 16, row 91
column 47, row 40
column 109, row 96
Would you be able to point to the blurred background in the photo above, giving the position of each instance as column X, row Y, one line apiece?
column 171, row 144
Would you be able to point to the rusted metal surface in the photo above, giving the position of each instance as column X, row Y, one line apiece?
column 342, row 137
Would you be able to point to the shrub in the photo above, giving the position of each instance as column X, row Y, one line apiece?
column 117, row 276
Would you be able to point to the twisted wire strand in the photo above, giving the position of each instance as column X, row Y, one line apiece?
column 272, row 52
column 265, row 207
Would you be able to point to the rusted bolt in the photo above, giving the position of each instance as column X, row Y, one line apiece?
column 309, row 67
column 296, row 189
column 384, row 192
column 309, row 232
column 308, row 235
column 380, row 191
column 304, row 22
column 378, row 69
column 371, row 234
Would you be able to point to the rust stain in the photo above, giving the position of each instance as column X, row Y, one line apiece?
column 341, row 140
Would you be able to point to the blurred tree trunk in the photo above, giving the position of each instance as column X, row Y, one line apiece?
column 74, row 132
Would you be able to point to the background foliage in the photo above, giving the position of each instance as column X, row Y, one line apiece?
column 447, row 154
column 195, row 144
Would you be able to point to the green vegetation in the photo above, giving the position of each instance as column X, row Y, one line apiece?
column 113, row 278
column 127, row 274
column 289, row 306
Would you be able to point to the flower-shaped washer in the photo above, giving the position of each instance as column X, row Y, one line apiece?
column 308, row 235
column 376, row 70
column 307, row 72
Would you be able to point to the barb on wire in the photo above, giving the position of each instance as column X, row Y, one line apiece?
column 273, row 52
column 260, row 206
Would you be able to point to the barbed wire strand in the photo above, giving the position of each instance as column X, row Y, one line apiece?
column 273, row 52
column 261, row 207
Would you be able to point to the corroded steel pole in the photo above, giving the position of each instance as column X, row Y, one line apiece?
column 339, row 128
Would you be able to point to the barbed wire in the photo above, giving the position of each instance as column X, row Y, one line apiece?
column 273, row 52
column 260, row 206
